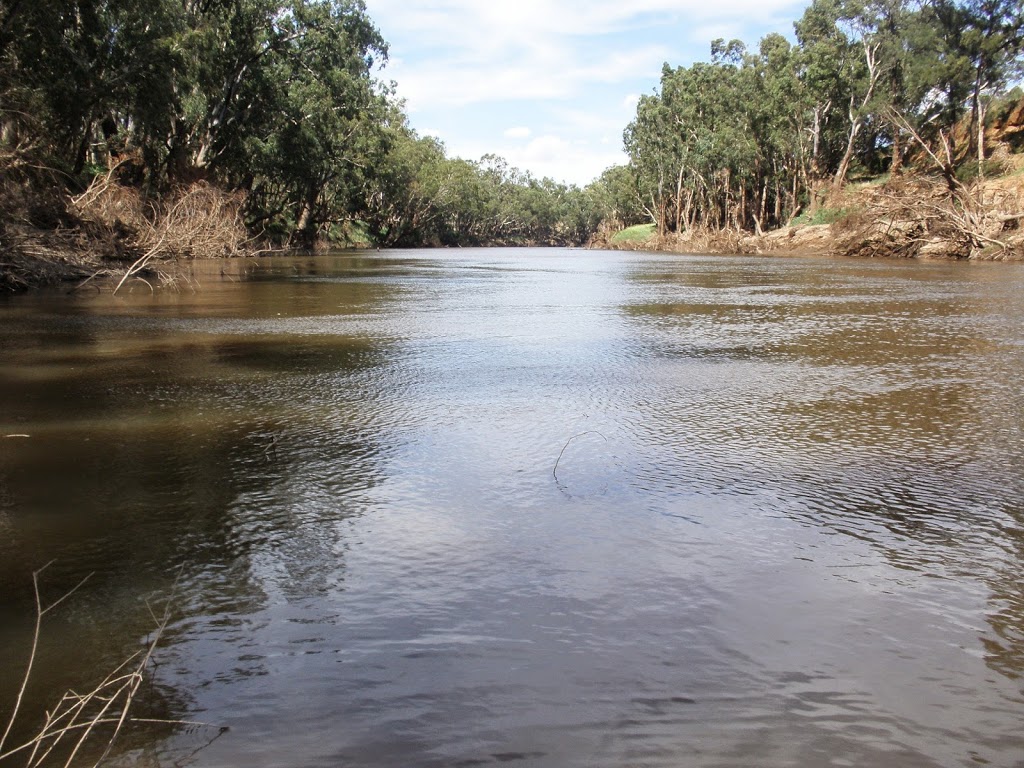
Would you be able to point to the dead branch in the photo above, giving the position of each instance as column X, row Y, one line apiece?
column 108, row 705
column 554, row 470
column 924, row 217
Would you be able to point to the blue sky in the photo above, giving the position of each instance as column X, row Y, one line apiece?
column 550, row 85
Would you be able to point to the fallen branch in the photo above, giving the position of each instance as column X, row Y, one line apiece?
column 40, row 613
column 923, row 217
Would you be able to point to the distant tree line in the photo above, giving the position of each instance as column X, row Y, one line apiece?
column 754, row 137
column 277, row 99
column 280, row 104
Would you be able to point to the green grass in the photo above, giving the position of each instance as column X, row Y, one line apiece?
column 354, row 234
column 821, row 216
column 637, row 234
column 992, row 168
column 874, row 181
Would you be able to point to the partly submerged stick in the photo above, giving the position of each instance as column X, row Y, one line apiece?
column 554, row 470
column 108, row 704
column 40, row 612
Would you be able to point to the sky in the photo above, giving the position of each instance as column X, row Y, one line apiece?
column 550, row 85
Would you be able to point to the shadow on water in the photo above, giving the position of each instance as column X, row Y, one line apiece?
column 189, row 446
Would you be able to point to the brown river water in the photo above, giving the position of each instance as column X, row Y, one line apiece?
column 528, row 508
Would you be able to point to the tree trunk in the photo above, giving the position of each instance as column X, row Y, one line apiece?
column 794, row 200
column 741, row 222
column 856, row 121
column 762, row 209
column 305, row 222
column 896, row 164
column 82, row 152
column 981, row 139
column 679, row 201
column 977, row 124
column 844, row 165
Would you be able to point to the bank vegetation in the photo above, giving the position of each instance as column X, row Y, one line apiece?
column 921, row 97
column 135, row 131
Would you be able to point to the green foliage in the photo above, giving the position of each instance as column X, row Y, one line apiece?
column 821, row 216
column 276, row 98
column 422, row 197
column 281, row 100
column 744, row 141
column 615, row 197
column 992, row 166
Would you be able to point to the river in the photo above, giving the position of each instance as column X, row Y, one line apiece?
column 528, row 508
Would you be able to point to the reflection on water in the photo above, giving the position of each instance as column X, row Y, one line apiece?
column 786, row 526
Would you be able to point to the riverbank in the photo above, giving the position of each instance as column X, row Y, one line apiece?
column 910, row 217
column 109, row 234
column 110, row 231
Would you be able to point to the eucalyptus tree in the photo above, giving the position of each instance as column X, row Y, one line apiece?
column 957, row 54
column 693, row 146
column 403, row 199
column 991, row 40
column 655, row 150
column 842, row 69
column 894, row 27
column 78, row 68
column 616, row 197
column 750, row 137
column 777, row 113
column 277, row 97
column 323, row 111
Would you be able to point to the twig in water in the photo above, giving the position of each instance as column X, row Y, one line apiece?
column 554, row 470
column 270, row 451
column 91, row 277
column 40, row 612
column 78, row 715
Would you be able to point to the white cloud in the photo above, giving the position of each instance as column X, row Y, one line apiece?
column 525, row 73
column 546, row 149
column 471, row 51
column 570, row 69
column 552, row 156
column 592, row 121
column 445, row 84
column 562, row 160
column 703, row 34
column 505, row 20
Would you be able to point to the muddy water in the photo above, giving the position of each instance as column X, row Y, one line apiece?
column 535, row 508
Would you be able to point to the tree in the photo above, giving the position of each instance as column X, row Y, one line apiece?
column 616, row 196
column 992, row 41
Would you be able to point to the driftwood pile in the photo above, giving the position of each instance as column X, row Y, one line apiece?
column 923, row 217
column 198, row 221
column 111, row 230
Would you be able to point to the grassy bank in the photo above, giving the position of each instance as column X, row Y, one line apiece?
column 641, row 233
